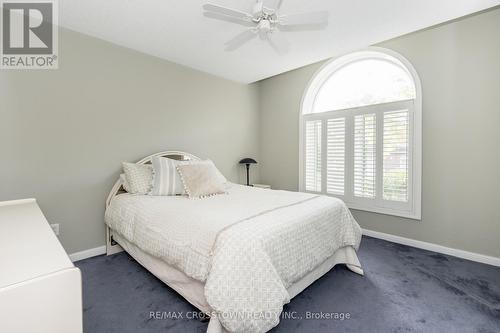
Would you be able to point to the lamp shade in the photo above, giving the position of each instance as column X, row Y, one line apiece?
column 248, row 160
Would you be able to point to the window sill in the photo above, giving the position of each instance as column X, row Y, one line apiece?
column 379, row 210
column 385, row 211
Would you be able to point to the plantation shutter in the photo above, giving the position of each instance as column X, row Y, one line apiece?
column 313, row 155
column 361, row 134
column 396, row 155
column 365, row 155
column 335, row 170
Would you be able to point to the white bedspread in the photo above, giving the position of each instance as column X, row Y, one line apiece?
column 247, row 246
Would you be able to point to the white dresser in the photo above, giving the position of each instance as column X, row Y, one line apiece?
column 40, row 288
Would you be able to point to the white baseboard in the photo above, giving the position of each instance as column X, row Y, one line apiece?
column 375, row 234
column 96, row 251
column 434, row 247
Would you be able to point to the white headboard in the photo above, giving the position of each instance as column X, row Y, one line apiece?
column 173, row 154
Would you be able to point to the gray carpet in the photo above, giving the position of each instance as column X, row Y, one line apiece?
column 404, row 290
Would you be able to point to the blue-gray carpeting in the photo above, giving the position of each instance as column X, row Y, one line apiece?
column 404, row 290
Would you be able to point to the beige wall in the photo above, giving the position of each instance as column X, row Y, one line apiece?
column 459, row 66
column 64, row 133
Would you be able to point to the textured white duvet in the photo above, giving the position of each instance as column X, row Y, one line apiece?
column 248, row 246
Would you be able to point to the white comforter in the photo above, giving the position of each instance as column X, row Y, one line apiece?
column 248, row 246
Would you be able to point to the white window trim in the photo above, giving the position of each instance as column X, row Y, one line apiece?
column 415, row 171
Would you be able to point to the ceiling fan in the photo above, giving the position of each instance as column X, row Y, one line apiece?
column 266, row 23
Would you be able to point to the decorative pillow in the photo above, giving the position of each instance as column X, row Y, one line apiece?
column 138, row 178
column 201, row 180
column 166, row 179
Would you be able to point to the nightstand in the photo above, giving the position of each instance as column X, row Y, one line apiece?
column 262, row 186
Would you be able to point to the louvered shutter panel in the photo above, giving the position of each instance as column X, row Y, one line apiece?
column 365, row 155
column 313, row 156
column 335, row 170
column 396, row 155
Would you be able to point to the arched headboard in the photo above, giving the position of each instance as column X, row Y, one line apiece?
column 111, row 246
column 173, row 154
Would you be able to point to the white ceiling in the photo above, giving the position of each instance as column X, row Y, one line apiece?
column 178, row 31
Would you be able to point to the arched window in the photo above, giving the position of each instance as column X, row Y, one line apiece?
column 360, row 135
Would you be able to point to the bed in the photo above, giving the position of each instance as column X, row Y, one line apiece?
column 237, row 257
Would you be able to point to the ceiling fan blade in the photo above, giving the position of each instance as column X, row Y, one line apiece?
column 271, row 6
column 232, row 19
column 304, row 18
column 302, row 27
column 278, row 42
column 240, row 39
column 210, row 7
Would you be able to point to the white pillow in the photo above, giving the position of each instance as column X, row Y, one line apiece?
column 201, row 180
column 166, row 179
column 138, row 178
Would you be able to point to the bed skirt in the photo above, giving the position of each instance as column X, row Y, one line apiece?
column 194, row 291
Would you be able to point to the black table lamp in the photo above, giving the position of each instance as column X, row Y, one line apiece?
column 247, row 161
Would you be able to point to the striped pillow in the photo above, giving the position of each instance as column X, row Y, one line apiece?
column 166, row 179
